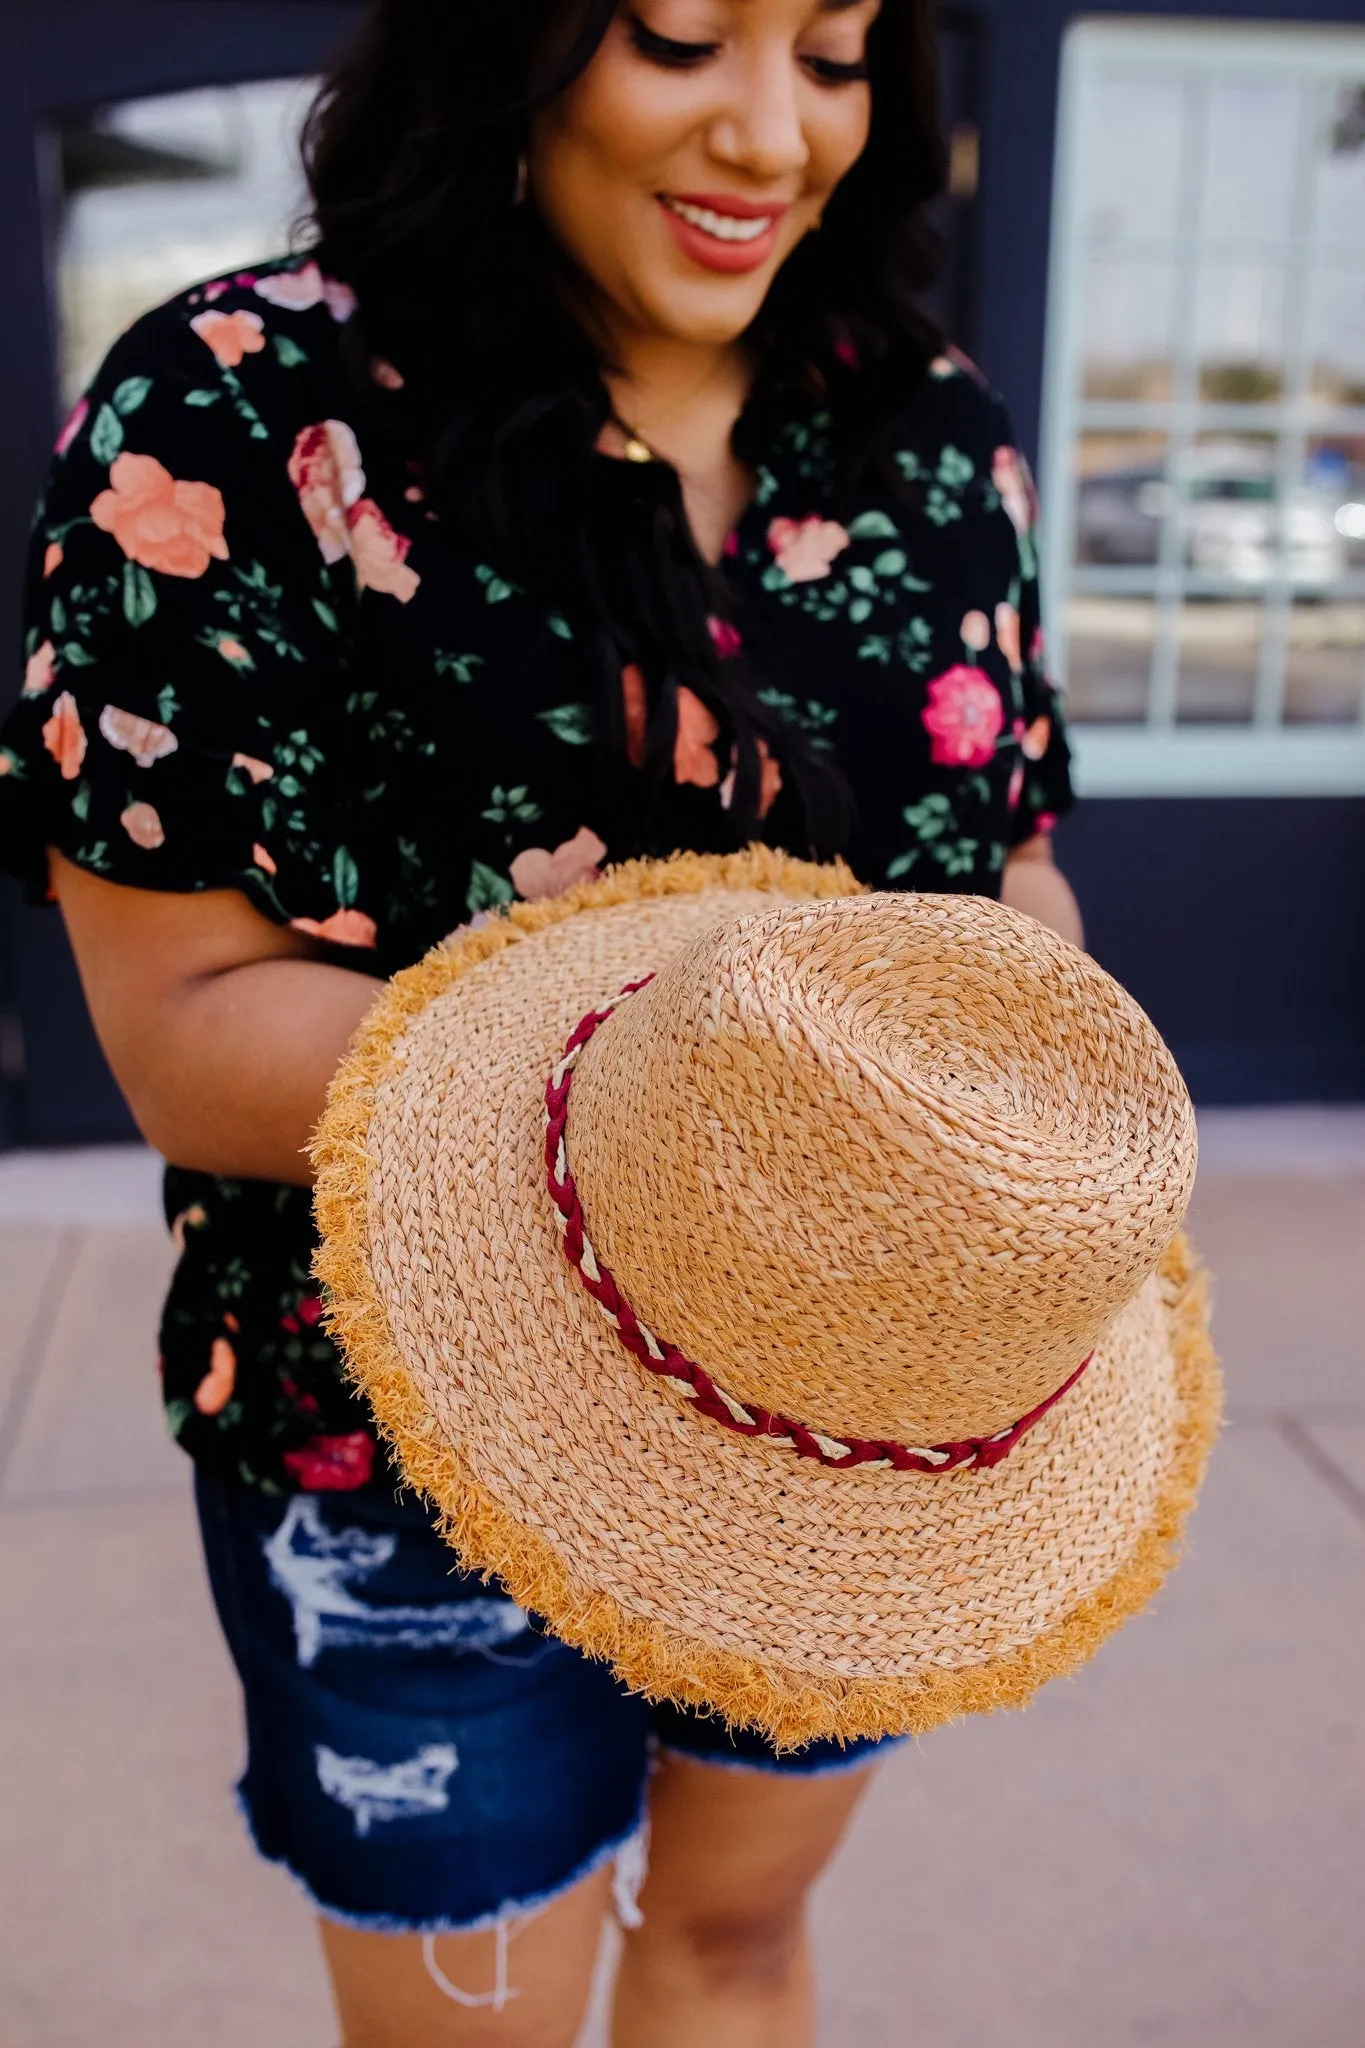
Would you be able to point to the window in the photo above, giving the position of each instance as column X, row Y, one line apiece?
column 158, row 193
column 1204, row 457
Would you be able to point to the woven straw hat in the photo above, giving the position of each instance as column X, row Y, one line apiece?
column 806, row 1331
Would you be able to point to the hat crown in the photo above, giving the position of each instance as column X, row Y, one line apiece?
column 888, row 1164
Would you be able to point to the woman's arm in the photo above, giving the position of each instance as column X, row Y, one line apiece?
column 223, row 1030
column 1035, row 884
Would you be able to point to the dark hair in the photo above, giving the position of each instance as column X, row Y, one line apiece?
column 412, row 152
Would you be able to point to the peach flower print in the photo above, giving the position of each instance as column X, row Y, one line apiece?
column 64, row 737
column 41, row 670
column 342, row 928
column 162, row 523
column 233, row 651
column 694, row 758
column 215, row 1389
column 193, row 1218
column 258, row 771
column 263, row 860
column 804, row 548
column 75, row 421
column 380, row 555
column 1010, row 475
column 143, row 825
column 636, row 710
column 143, row 738
column 976, row 632
column 963, row 718
column 385, row 375
column 231, row 335
column 333, row 1464
column 54, row 557
column 537, row 874
column 769, row 782
column 1007, row 633
column 1033, row 743
column 298, row 291
column 325, row 470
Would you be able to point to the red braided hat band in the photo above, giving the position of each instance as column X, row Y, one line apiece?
column 668, row 1363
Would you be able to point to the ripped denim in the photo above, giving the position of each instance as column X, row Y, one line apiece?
column 421, row 1755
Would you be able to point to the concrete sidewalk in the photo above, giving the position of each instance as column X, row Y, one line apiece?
column 1170, row 1849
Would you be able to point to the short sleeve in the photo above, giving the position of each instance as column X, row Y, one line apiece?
column 181, row 724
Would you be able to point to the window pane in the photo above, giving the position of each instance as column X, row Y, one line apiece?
column 1121, row 498
column 1341, row 168
column 1127, row 326
column 1239, row 332
column 1250, row 150
column 1238, row 530
column 1219, row 644
column 1131, row 139
column 1109, row 658
column 1336, row 334
column 157, row 193
column 1325, row 665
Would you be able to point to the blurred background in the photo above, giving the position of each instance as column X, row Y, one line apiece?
column 1156, row 228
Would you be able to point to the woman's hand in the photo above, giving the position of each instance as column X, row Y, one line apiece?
column 1035, row 884
column 223, row 1030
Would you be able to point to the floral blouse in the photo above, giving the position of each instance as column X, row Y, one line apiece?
column 256, row 660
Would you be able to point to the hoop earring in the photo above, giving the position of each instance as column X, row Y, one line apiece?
column 521, row 182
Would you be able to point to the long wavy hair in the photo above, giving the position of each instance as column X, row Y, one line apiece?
column 412, row 152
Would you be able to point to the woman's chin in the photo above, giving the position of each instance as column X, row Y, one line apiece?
column 707, row 316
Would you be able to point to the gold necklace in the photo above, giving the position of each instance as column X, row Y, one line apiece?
column 637, row 449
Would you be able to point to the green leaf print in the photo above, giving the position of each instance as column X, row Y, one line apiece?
column 461, row 666
column 488, row 890
column 957, row 858
column 496, row 589
column 73, row 655
column 139, row 594
column 327, row 615
column 106, row 437
column 345, row 876
column 167, row 704
column 930, row 817
column 559, row 626
column 57, row 615
column 202, row 397
column 860, row 609
column 131, row 393
column 889, row 563
column 955, row 468
column 288, row 353
column 873, row 526
column 80, row 803
column 505, row 805
column 571, row 723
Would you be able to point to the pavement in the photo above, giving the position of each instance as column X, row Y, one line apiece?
column 1169, row 1849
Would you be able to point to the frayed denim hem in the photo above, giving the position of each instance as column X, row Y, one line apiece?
column 832, row 1767
column 389, row 1923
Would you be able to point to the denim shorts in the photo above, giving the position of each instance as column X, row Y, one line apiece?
column 421, row 1755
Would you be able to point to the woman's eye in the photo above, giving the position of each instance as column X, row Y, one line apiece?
column 664, row 50
column 828, row 72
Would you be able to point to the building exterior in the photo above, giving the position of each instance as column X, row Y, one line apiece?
column 1158, row 252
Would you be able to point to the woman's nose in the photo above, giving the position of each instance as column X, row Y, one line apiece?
column 762, row 132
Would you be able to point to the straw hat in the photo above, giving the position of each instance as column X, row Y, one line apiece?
column 806, row 1330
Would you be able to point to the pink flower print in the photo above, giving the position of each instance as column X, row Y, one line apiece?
column 731, row 548
column 325, row 470
column 143, row 738
column 845, row 348
column 976, row 632
column 380, row 555
column 143, row 825
column 385, row 375
column 1016, row 788
column 297, row 291
column 1046, row 821
column 942, row 366
column 53, row 558
column 305, row 1317
column 215, row 1389
column 332, row 1464
column 64, row 737
column 1010, row 475
column 1007, row 633
column 1037, row 653
column 537, row 874
column 75, row 421
column 231, row 335
column 804, row 548
column 724, row 637
column 342, row 928
column 963, row 718
column 40, row 672
column 258, row 771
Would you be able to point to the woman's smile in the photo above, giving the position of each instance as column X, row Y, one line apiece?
column 721, row 232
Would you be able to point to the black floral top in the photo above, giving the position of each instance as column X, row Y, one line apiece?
column 256, row 660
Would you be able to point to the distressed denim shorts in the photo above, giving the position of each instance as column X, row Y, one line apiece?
column 421, row 1755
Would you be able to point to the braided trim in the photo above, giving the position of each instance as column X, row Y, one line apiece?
column 668, row 1363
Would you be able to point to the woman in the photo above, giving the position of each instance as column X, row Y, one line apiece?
column 593, row 486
